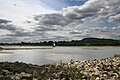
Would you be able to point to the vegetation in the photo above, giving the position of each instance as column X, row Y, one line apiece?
column 83, row 42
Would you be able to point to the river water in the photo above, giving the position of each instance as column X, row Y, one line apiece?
column 47, row 56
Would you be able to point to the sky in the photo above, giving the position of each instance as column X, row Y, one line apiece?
column 56, row 20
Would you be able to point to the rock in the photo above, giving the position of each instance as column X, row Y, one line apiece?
column 1, row 48
column 97, row 78
column 5, row 78
column 26, row 78
column 6, row 72
column 35, row 74
column 22, row 76
column 102, row 69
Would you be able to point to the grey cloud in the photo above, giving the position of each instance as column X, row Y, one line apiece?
column 51, row 22
column 75, row 32
column 8, row 39
column 55, row 38
column 75, row 13
column 4, row 21
column 46, row 28
column 13, row 30
column 21, row 33
column 40, row 33
column 93, row 8
column 99, row 32
column 52, row 19
column 74, row 0
column 28, row 22
column 68, row 26
column 8, row 27
column 60, row 38
column 98, row 20
column 7, row 24
column 115, row 18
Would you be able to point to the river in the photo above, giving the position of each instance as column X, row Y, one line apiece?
column 47, row 56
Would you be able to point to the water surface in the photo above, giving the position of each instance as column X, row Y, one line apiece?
column 47, row 56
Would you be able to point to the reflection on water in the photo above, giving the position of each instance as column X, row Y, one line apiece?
column 47, row 56
column 91, row 48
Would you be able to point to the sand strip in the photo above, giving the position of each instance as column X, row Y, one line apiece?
column 6, row 52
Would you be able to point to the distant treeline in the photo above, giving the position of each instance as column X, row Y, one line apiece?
column 83, row 42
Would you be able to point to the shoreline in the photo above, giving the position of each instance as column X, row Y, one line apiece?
column 6, row 52
column 48, row 47
column 97, row 69
column 56, row 46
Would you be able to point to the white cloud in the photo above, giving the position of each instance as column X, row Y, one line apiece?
column 115, row 18
column 98, row 32
column 21, row 10
column 70, row 26
column 4, row 32
column 52, row 19
column 97, row 20
column 93, row 8
column 48, row 24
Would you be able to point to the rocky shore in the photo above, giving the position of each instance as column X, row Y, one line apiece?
column 101, row 69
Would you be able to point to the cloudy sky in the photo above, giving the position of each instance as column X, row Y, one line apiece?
column 39, row 20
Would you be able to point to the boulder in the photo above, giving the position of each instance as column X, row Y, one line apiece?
column 5, row 78
column 1, row 48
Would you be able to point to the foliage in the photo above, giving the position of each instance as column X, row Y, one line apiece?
column 83, row 42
